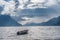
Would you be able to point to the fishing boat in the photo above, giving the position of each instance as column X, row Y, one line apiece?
column 22, row 32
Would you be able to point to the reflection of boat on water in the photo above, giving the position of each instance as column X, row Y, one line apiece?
column 22, row 32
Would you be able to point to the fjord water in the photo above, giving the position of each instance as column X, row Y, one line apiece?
column 34, row 33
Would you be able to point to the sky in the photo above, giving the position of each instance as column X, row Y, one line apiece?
column 36, row 11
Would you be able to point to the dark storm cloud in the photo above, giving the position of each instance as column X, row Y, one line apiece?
column 7, row 0
column 39, row 11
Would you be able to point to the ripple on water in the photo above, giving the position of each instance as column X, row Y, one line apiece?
column 35, row 33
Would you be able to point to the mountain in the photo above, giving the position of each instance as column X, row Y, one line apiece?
column 51, row 22
column 32, row 24
column 1, row 9
column 6, row 20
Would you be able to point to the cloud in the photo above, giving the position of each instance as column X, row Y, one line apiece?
column 2, row 2
column 36, row 8
column 40, row 12
column 9, row 8
column 10, row 5
column 32, row 4
column 51, row 3
column 7, row 0
column 33, row 20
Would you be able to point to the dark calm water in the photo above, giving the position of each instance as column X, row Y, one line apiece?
column 34, row 33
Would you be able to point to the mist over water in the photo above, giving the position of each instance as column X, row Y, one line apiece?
column 34, row 33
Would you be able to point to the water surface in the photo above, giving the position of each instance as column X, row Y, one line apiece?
column 34, row 33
